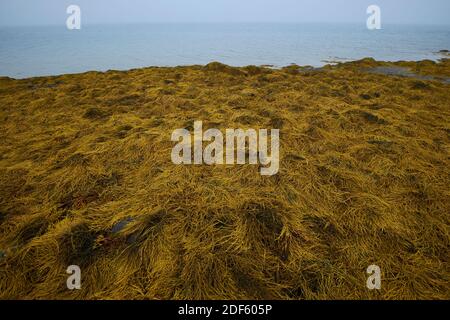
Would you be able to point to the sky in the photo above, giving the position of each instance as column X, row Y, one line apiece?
column 53, row 12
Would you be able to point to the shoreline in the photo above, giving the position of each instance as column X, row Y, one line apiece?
column 327, row 64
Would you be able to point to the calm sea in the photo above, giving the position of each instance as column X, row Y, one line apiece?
column 38, row 51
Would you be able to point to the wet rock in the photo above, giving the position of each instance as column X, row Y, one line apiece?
column 119, row 226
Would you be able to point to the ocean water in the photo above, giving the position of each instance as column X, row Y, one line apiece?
column 52, row 50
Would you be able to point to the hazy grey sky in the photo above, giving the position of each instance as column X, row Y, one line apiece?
column 41, row 12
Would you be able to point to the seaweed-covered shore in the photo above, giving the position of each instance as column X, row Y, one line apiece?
column 86, row 179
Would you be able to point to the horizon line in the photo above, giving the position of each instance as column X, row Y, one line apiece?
column 363, row 23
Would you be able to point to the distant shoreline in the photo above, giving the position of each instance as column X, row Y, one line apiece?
column 401, row 70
